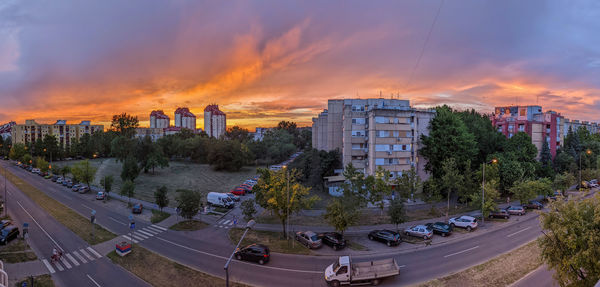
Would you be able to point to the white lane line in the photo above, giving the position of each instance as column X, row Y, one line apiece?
column 137, row 234
column 240, row 262
column 459, row 252
column 129, row 239
column 510, row 235
column 72, row 259
column 65, row 262
column 48, row 266
column 93, row 280
column 80, row 257
column 159, row 227
column 145, row 233
column 225, row 223
column 87, row 207
column 117, row 221
column 152, row 231
column 55, row 243
column 156, row 230
column 401, row 266
column 94, row 252
column 86, row 254
column 138, row 237
column 58, row 266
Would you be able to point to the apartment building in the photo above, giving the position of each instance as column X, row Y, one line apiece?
column 593, row 128
column 153, row 133
column 5, row 129
column 31, row 131
column 185, row 119
column 540, row 126
column 158, row 120
column 215, row 121
column 374, row 132
column 259, row 133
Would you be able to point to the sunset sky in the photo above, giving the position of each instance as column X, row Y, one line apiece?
column 266, row 61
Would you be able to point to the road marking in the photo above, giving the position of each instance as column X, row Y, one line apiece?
column 72, row 259
column 93, row 280
column 150, row 231
column 86, row 254
column 241, row 262
column 48, row 266
column 58, row 266
column 87, row 207
column 55, row 243
column 80, row 257
column 145, row 233
column 159, row 227
column 225, row 223
column 137, row 234
column 459, row 252
column 65, row 262
column 401, row 266
column 154, row 229
column 94, row 252
column 129, row 238
column 117, row 221
column 510, row 235
column 138, row 237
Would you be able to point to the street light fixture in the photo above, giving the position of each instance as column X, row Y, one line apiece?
column 493, row 161
column 249, row 226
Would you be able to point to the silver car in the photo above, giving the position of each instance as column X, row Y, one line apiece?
column 421, row 231
column 309, row 239
column 516, row 210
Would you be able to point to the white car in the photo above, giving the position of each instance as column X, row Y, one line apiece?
column 465, row 221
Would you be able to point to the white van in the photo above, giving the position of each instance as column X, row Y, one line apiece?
column 219, row 199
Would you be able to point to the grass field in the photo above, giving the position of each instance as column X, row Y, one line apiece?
column 179, row 175
column 74, row 221
column 188, row 225
column 16, row 251
column 158, row 216
column 38, row 281
column 500, row 271
column 161, row 271
column 272, row 239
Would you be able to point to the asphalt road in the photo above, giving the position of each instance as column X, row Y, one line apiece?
column 209, row 251
column 82, row 267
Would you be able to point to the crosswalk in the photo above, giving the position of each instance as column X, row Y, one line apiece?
column 72, row 259
column 225, row 223
column 144, row 233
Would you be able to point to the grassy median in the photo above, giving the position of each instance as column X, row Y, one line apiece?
column 269, row 238
column 160, row 271
column 158, row 216
column 38, row 281
column 16, row 251
column 188, row 225
column 500, row 271
column 66, row 216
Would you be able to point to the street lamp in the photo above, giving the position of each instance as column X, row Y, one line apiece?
column 483, row 188
column 588, row 151
column 249, row 226
column 287, row 222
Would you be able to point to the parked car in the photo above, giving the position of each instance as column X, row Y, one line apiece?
column 54, row 178
column 238, row 191
column 390, row 238
column 419, row 231
column 533, row 205
column 8, row 233
column 254, row 252
column 65, row 181
column 76, row 187
column 247, row 188
column 101, row 195
column 219, row 199
column 69, row 184
column 59, row 180
column 440, row 228
column 35, row 170
column 516, row 209
column 333, row 239
column 309, row 239
column 4, row 223
column 83, row 189
column 556, row 195
column 233, row 197
column 465, row 221
column 137, row 208
column 499, row 214
column 47, row 176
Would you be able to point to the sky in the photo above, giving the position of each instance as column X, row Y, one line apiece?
column 267, row 61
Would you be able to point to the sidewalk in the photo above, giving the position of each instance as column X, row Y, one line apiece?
column 18, row 271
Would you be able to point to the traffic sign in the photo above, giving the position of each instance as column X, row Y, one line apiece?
column 132, row 225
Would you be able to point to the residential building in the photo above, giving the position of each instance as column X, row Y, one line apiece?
column 5, row 129
column 540, row 126
column 259, row 134
column 593, row 128
column 153, row 133
column 159, row 120
column 374, row 132
column 185, row 119
column 64, row 133
column 215, row 121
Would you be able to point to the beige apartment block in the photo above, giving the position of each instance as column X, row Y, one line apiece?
column 374, row 132
column 31, row 131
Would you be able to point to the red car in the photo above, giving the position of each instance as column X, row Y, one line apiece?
column 238, row 191
column 246, row 187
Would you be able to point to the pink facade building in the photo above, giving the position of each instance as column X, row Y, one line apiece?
column 158, row 120
column 185, row 119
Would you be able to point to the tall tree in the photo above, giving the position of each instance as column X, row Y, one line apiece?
column 451, row 180
column 84, row 172
column 527, row 190
column 489, row 140
column 248, row 209
column 160, row 197
column 486, row 204
column 17, row 151
column 545, row 155
column 237, row 133
column 397, row 212
column 128, row 189
column 130, row 170
column 228, row 155
column 379, row 187
column 188, row 202
column 290, row 127
column 408, row 184
column 124, row 124
column 122, row 147
column 65, row 170
column 107, row 182
column 563, row 181
column 341, row 213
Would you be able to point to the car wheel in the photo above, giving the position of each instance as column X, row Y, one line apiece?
column 539, row 207
column 375, row 282
column 425, row 237
column 452, row 224
column 389, row 244
column 407, row 234
column 370, row 237
column 334, row 283
column 469, row 228
column 443, row 234
column 238, row 257
column 335, row 247
column 261, row 262
column 506, row 217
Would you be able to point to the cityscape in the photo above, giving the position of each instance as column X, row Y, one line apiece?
column 280, row 143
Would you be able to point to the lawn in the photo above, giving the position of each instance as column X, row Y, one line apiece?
column 16, row 251
column 38, row 281
column 74, row 221
column 179, row 175
column 272, row 239
column 189, row 225
column 158, row 216
column 500, row 271
column 161, row 271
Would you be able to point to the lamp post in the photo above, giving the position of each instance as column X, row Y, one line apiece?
column 483, row 189
column 587, row 152
column 249, row 226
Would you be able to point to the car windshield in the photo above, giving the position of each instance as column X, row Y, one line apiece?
column 335, row 266
column 4, row 232
column 314, row 238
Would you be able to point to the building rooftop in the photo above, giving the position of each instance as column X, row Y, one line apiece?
column 185, row 112
column 214, row 109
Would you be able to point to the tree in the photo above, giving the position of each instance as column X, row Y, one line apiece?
column 408, row 184
column 124, row 124
column 290, row 127
column 122, row 147
column 564, row 162
column 65, row 170
column 545, row 155
column 84, row 172
column 42, row 164
column 237, row 133
column 130, row 169
column 529, row 189
column 451, row 180
column 27, row 159
column 397, row 212
column 107, row 182
column 188, row 203
column 128, row 189
column 491, row 195
column 341, row 213
column 571, row 239
column 161, row 198
column 379, row 187
column 431, row 194
column 17, row 151
column 51, row 145
column 156, row 158
column 563, row 181
column 228, row 155
column 272, row 194
column 248, row 209
column 487, row 137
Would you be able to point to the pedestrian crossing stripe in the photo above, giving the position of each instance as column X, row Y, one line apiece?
column 86, row 254
column 63, row 264
column 80, row 257
column 49, row 266
column 129, row 239
column 159, row 227
column 72, row 259
column 145, row 233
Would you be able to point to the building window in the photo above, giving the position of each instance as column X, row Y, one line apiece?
column 357, row 146
column 381, row 120
column 510, row 135
column 358, row 133
column 396, row 133
column 358, row 108
column 379, row 161
column 383, row 134
column 358, row 121
column 382, row 147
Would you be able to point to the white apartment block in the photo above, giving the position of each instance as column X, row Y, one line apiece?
column 215, row 121
column 185, row 119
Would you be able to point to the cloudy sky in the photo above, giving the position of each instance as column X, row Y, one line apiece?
column 266, row 61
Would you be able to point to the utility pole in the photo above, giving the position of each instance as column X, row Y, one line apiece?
column 249, row 226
